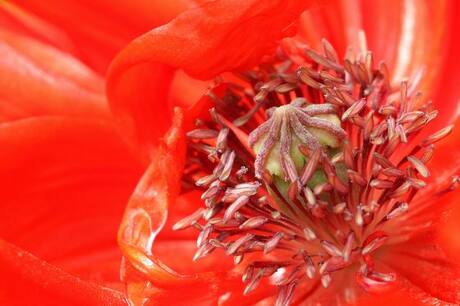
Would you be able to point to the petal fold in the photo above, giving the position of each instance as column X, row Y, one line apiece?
column 219, row 36
column 147, row 277
column 99, row 29
column 147, row 210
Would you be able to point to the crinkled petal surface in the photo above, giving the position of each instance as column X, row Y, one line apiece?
column 218, row 36
column 99, row 29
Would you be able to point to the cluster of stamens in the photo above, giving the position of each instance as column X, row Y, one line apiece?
column 306, row 170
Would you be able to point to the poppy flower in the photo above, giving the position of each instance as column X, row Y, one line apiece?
column 305, row 169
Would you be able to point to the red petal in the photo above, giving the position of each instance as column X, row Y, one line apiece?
column 147, row 210
column 140, row 102
column 337, row 21
column 406, row 295
column 217, row 37
column 428, row 268
column 176, row 248
column 40, row 80
column 99, row 29
column 407, row 35
column 445, row 93
column 23, row 23
column 185, row 90
column 27, row 280
column 178, row 254
column 447, row 235
column 445, row 163
column 425, row 276
column 446, row 158
column 411, row 35
column 145, row 217
column 65, row 183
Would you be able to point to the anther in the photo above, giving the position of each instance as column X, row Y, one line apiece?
column 303, row 168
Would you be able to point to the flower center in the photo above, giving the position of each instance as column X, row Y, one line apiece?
column 309, row 171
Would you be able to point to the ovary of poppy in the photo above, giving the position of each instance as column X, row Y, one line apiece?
column 412, row 14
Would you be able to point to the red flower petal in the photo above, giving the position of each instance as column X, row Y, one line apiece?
column 101, row 28
column 446, row 158
column 391, row 30
column 185, row 90
column 427, row 267
column 178, row 254
column 412, row 35
column 407, row 35
column 65, row 182
column 445, row 92
column 425, row 276
column 219, row 36
column 23, row 23
column 447, row 236
column 407, row 294
column 27, row 280
column 40, row 80
column 147, row 209
column 177, row 248
column 145, row 217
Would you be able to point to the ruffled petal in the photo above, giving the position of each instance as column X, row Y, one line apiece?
column 99, row 29
column 65, row 182
column 219, row 36
column 40, row 80
column 147, row 209
column 27, row 280
column 146, row 275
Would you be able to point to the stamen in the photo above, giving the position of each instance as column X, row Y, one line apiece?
column 202, row 134
column 306, row 167
column 309, row 234
column 418, row 164
column 189, row 220
column 234, row 207
column 331, row 248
